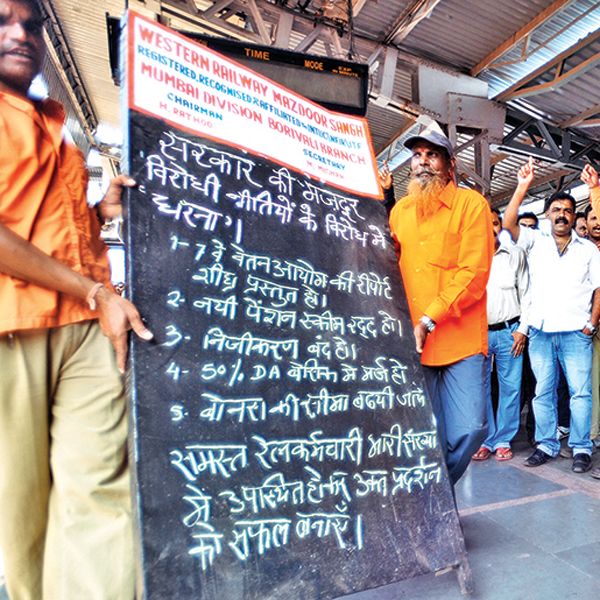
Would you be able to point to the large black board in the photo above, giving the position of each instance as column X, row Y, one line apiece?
column 283, row 444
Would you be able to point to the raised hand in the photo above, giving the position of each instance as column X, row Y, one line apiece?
column 526, row 173
column 385, row 177
column 589, row 176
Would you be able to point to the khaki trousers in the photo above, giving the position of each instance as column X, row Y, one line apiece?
column 65, row 517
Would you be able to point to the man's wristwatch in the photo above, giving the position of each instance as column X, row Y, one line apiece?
column 589, row 326
column 428, row 323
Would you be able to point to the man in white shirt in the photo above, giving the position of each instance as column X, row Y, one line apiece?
column 589, row 176
column 563, row 314
column 507, row 334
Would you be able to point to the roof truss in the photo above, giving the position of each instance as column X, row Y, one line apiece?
column 523, row 36
column 567, row 66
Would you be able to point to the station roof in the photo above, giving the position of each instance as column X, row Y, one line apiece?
column 538, row 59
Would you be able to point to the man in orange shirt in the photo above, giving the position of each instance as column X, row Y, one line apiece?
column 445, row 245
column 65, row 516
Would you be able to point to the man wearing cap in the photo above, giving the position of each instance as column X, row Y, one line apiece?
column 445, row 246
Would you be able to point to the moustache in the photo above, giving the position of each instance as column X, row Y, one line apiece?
column 425, row 171
column 25, row 47
column 562, row 220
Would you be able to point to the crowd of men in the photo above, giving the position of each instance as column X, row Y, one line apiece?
column 475, row 300
column 543, row 307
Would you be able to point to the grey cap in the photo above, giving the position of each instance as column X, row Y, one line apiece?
column 433, row 137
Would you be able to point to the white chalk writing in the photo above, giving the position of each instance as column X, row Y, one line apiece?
column 264, row 533
column 326, row 321
column 312, row 406
column 226, row 307
column 217, row 276
column 208, row 544
column 248, row 344
column 270, row 316
column 214, row 459
column 311, row 370
column 251, row 409
column 192, row 214
column 314, row 448
column 420, row 475
column 250, row 262
column 395, row 442
column 281, row 294
column 263, row 204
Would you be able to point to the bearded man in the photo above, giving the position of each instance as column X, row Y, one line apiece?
column 445, row 246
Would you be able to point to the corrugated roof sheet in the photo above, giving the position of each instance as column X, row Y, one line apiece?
column 458, row 34
column 461, row 33
column 562, row 31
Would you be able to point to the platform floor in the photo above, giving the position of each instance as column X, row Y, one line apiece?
column 531, row 534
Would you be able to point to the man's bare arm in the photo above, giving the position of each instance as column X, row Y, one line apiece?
column 22, row 260
column 511, row 214
column 595, row 314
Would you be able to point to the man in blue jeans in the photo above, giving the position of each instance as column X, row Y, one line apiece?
column 563, row 315
column 507, row 333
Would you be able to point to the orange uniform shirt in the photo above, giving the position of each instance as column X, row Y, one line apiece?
column 445, row 263
column 43, row 183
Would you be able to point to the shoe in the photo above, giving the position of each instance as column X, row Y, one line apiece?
column 482, row 454
column 537, row 459
column 581, row 463
column 504, row 454
column 565, row 452
column 595, row 473
column 562, row 432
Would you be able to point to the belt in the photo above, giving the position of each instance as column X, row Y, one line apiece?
column 503, row 325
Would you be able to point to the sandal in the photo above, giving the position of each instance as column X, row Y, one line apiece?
column 504, row 454
column 482, row 454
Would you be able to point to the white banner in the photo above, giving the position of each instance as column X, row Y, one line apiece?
column 194, row 88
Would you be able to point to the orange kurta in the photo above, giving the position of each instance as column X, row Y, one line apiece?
column 43, row 183
column 445, row 264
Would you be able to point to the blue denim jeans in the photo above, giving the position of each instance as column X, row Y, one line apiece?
column 573, row 350
column 457, row 393
column 503, row 426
